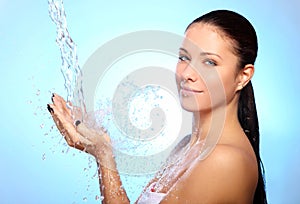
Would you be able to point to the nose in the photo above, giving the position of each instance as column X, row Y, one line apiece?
column 189, row 73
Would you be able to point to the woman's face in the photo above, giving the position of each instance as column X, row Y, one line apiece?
column 207, row 67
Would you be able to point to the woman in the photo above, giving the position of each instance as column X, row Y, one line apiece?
column 232, row 172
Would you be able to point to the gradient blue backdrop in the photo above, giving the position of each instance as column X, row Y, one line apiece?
column 37, row 167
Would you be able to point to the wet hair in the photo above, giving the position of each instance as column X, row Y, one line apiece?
column 238, row 29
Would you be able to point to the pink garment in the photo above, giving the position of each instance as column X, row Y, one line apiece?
column 149, row 197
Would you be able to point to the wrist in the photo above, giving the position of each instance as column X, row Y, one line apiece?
column 105, row 158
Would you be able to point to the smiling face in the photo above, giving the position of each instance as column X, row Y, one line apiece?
column 207, row 67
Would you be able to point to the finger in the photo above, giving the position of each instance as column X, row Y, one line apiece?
column 61, row 103
column 56, row 99
column 68, row 108
column 50, row 109
column 64, row 124
column 68, row 130
column 76, row 113
column 62, row 114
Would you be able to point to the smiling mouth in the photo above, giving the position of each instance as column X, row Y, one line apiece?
column 186, row 89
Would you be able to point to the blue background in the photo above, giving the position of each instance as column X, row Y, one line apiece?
column 37, row 166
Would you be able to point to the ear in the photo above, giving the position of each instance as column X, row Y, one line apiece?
column 244, row 76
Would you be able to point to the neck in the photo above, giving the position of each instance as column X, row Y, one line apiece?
column 223, row 119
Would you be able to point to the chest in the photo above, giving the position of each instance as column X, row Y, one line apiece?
column 175, row 167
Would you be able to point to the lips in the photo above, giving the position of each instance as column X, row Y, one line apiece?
column 185, row 88
column 190, row 90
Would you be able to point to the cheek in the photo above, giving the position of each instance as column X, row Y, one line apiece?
column 229, row 84
column 221, row 87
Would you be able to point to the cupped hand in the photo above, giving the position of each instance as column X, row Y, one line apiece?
column 76, row 133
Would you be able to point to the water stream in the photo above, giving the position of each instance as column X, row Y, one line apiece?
column 70, row 68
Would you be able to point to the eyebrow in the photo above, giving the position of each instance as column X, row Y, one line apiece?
column 201, row 53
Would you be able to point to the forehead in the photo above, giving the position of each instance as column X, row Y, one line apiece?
column 207, row 38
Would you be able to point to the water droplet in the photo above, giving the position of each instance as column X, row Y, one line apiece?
column 38, row 92
column 44, row 156
column 84, row 199
column 67, row 150
column 42, row 125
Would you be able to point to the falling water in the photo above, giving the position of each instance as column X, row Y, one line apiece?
column 72, row 74
column 70, row 69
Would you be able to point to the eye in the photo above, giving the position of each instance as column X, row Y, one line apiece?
column 183, row 58
column 210, row 62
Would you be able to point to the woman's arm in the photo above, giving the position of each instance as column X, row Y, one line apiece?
column 96, row 143
column 111, row 186
column 109, row 179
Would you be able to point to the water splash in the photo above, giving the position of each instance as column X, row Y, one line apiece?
column 73, row 79
column 99, row 198
column 44, row 156
column 70, row 68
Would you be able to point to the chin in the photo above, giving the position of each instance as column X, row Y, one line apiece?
column 192, row 105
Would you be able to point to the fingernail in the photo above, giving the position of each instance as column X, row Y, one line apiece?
column 49, row 108
column 52, row 97
column 77, row 122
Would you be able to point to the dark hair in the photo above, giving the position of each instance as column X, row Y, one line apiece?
column 238, row 29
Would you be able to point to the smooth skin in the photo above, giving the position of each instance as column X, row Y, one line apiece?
column 229, row 174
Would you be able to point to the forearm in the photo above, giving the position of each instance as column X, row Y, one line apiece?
column 109, row 179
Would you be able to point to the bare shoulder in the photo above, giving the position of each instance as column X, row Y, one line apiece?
column 228, row 158
column 227, row 175
column 229, row 172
